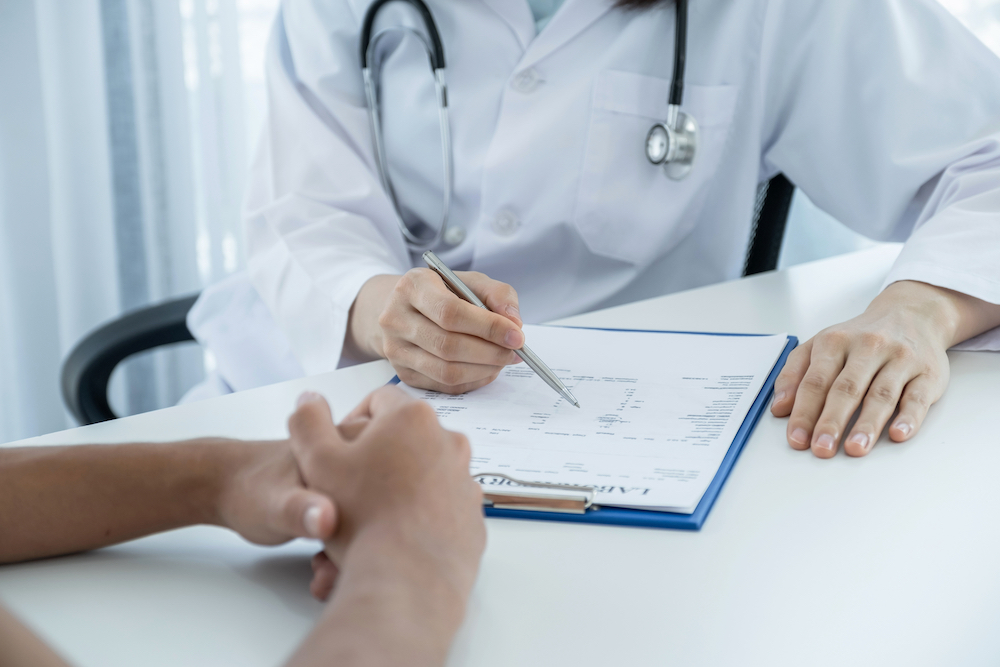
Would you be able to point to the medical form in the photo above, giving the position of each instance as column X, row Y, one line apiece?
column 658, row 412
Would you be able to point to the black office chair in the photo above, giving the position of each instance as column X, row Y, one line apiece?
column 770, row 216
column 87, row 370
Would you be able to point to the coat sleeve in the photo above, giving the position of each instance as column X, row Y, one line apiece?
column 887, row 114
column 318, row 222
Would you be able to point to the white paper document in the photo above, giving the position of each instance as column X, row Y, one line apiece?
column 658, row 412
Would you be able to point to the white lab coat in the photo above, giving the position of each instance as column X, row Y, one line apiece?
column 885, row 112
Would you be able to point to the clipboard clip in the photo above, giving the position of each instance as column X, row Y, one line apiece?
column 570, row 499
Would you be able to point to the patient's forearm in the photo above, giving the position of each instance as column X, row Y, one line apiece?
column 392, row 605
column 19, row 647
column 57, row 500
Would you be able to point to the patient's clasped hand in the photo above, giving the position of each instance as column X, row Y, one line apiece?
column 387, row 491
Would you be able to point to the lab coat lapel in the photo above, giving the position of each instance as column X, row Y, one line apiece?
column 517, row 15
column 572, row 18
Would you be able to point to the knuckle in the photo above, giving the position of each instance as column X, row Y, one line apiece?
column 917, row 398
column 834, row 338
column 409, row 376
column 392, row 348
column 931, row 373
column 388, row 319
column 848, row 387
column 449, row 313
column 408, row 282
column 813, row 383
column 903, row 352
column 450, row 374
column 883, row 394
column 800, row 353
column 873, row 340
column 445, row 346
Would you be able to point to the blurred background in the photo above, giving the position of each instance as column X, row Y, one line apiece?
column 126, row 129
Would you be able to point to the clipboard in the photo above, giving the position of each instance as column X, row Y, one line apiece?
column 576, row 504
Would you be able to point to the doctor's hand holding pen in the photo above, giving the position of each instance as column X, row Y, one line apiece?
column 432, row 338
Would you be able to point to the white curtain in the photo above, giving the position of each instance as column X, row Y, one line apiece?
column 125, row 131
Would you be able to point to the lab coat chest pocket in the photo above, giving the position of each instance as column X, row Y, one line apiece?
column 627, row 208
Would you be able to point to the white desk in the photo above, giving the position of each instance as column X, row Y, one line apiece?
column 889, row 560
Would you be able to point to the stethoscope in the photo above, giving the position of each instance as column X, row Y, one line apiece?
column 672, row 143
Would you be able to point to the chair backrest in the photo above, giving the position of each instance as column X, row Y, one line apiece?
column 87, row 370
column 774, row 200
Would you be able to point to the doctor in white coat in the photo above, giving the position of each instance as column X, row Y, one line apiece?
column 885, row 112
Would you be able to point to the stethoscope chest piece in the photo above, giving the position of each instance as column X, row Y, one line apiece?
column 674, row 144
column 454, row 236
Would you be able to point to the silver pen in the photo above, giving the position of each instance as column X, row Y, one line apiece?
column 456, row 285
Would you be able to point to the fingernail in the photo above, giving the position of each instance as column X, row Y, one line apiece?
column 307, row 397
column 779, row 397
column 514, row 339
column 861, row 439
column 512, row 311
column 800, row 437
column 903, row 428
column 311, row 520
column 826, row 442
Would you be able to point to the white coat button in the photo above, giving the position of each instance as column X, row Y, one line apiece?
column 526, row 81
column 505, row 223
column 454, row 235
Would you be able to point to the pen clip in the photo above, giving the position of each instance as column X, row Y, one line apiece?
column 571, row 500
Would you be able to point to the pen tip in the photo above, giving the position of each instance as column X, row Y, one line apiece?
column 576, row 403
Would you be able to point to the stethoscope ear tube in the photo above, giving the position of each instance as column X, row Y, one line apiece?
column 680, row 53
column 437, row 49
column 672, row 144
column 370, row 73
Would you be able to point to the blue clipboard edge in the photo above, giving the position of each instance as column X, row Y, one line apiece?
column 649, row 519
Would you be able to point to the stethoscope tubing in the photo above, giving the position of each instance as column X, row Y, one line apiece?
column 682, row 128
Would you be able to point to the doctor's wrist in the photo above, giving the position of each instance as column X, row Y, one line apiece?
column 954, row 317
column 364, row 334
column 923, row 303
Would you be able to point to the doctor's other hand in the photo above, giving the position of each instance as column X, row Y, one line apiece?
column 434, row 339
column 891, row 357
